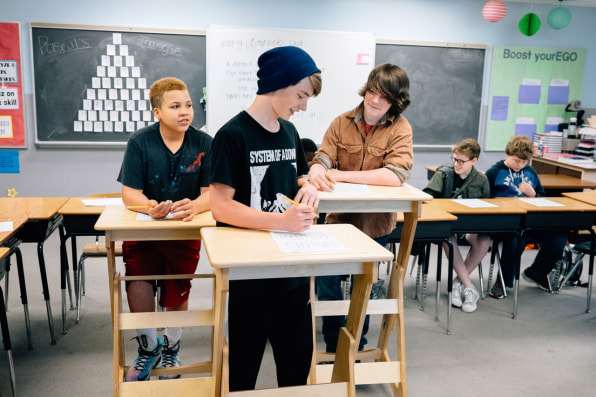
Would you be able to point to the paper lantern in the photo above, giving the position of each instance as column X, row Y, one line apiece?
column 529, row 24
column 559, row 18
column 494, row 10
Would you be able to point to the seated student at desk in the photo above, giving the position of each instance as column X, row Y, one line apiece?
column 164, row 168
column 460, row 179
column 247, row 189
column 513, row 177
column 370, row 144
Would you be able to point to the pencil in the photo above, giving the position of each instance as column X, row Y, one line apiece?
column 294, row 202
column 138, row 207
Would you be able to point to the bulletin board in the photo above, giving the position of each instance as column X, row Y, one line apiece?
column 91, row 83
column 345, row 60
column 445, row 89
column 12, row 127
column 530, row 89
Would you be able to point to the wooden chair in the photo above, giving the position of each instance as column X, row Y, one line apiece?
column 190, row 386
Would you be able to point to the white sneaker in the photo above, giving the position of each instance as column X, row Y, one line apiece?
column 456, row 296
column 471, row 297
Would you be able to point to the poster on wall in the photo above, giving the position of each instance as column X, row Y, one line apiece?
column 530, row 90
column 12, row 128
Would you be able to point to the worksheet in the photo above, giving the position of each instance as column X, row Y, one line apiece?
column 308, row 241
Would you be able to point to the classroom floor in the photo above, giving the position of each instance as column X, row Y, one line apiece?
column 548, row 350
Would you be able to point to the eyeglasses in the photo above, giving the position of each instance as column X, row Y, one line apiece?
column 459, row 161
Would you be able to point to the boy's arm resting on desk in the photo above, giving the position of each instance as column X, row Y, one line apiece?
column 187, row 209
column 381, row 176
column 135, row 197
column 297, row 218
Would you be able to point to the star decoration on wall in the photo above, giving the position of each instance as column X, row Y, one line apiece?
column 12, row 192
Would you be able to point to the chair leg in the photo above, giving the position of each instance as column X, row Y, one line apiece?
column 7, row 273
column 78, row 288
column 481, row 280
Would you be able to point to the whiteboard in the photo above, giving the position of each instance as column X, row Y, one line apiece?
column 345, row 60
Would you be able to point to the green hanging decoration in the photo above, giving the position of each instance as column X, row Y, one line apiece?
column 529, row 24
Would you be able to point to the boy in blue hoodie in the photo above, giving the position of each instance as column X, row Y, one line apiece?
column 513, row 177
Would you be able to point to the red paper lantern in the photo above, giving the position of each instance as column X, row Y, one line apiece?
column 494, row 10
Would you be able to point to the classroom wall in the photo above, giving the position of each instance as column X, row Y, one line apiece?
column 77, row 172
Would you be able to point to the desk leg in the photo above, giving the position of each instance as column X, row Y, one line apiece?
column 349, row 336
column 218, row 360
column 46, row 290
column 520, row 251
column 590, row 271
column 111, row 253
column 449, row 285
column 63, row 275
column 6, row 340
column 24, row 301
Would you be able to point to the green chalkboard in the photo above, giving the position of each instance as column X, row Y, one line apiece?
column 91, row 83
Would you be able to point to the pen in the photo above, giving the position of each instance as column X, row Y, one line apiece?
column 138, row 207
column 294, row 202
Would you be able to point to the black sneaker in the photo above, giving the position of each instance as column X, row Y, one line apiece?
column 497, row 291
column 543, row 283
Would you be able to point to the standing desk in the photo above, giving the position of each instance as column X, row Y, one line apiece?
column 506, row 217
column 573, row 215
column 119, row 224
column 256, row 256
column 544, row 165
column 42, row 220
column 405, row 199
column 434, row 226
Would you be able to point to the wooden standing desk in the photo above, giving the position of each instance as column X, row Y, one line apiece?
column 544, row 165
column 506, row 217
column 256, row 255
column 42, row 220
column 573, row 215
column 434, row 226
column 120, row 224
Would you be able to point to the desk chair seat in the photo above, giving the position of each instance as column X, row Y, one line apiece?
column 92, row 250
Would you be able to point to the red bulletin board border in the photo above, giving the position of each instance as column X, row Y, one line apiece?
column 10, row 52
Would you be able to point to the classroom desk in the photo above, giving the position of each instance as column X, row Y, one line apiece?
column 434, row 226
column 42, row 220
column 78, row 220
column 572, row 215
column 544, row 165
column 256, row 255
column 506, row 217
column 556, row 184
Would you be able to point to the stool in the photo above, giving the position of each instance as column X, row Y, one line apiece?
column 196, row 386
column 4, row 252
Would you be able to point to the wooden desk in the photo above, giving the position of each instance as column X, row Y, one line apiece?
column 434, row 226
column 586, row 197
column 557, row 184
column 42, row 220
column 407, row 200
column 544, row 165
column 256, row 255
column 120, row 224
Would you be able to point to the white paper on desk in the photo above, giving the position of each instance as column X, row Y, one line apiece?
column 474, row 203
column 308, row 241
column 352, row 188
column 103, row 201
column 142, row 217
column 541, row 202
column 6, row 226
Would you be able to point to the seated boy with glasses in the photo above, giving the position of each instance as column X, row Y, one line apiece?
column 460, row 179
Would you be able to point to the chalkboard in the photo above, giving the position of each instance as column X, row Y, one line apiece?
column 345, row 60
column 445, row 89
column 92, row 83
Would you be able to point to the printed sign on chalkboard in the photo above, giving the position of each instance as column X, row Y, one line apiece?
column 92, row 84
column 445, row 89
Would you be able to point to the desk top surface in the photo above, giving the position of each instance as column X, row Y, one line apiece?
column 431, row 213
column 453, row 207
column 33, row 208
column 17, row 222
column 586, row 197
column 561, row 181
column 587, row 166
column 117, row 217
column 75, row 206
column 569, row 205
column 404, row 192
column 258, row 248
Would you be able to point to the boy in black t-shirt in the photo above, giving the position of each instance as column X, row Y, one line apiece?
column 256, row 155
column 165, row 167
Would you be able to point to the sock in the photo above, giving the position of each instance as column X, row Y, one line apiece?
column 147, row 338
column 174, row 334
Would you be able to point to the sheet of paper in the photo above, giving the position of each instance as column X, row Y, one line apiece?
column 541, row 202
column 474, row 203
column 141, row 217
column 309, row 241
column 103, row 201
column 6, row 226
column 352, row 188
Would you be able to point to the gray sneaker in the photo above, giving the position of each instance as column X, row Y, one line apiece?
column 456, row 297
column 471, row 297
